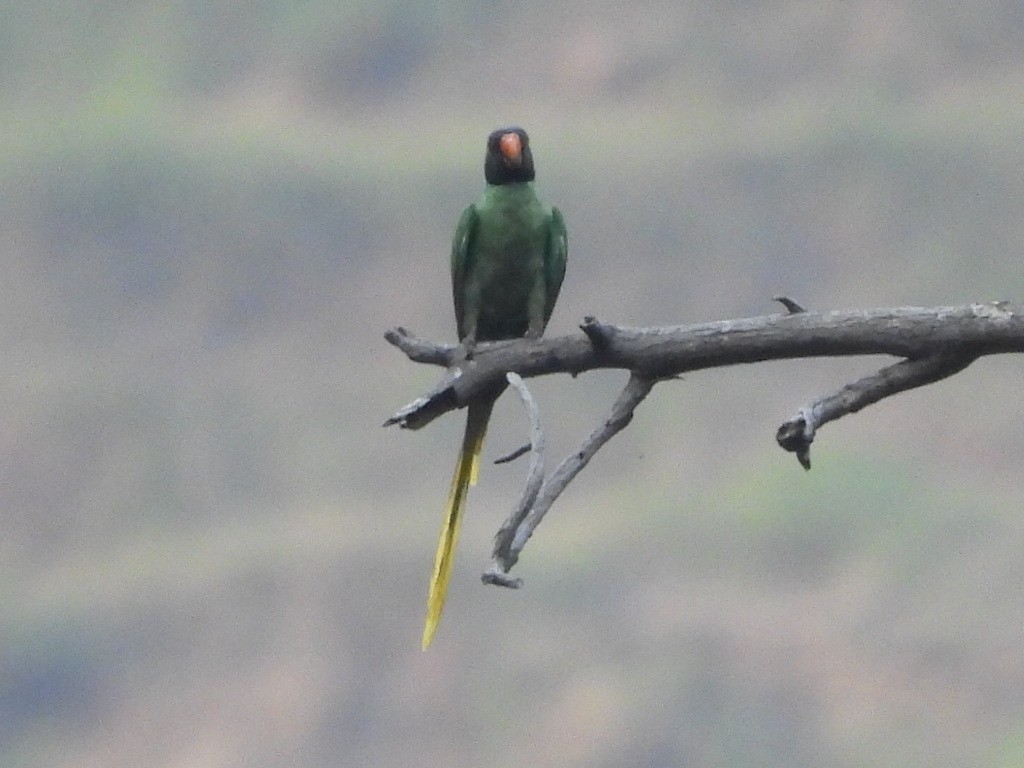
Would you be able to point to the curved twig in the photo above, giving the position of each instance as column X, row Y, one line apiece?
column 502, row 560
column 636, row 389
column 797, row 434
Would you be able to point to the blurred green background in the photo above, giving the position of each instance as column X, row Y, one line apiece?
column 211, row 553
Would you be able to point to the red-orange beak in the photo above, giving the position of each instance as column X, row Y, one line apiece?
column 512, row 148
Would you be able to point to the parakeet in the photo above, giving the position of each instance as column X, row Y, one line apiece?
column 508, row 261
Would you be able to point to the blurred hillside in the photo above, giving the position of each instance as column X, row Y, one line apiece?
column 213, row 555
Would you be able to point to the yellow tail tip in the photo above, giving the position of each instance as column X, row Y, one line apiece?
column 428, row 635
column 466, row 470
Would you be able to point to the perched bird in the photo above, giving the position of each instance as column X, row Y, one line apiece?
column 508, row 261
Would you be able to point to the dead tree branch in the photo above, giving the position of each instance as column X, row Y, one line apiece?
column 797, row 434
column 934, row 342
column 971, row 330
column 503, row 540
column 537, row 500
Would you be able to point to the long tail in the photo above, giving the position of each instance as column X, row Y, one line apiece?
column 466, row 470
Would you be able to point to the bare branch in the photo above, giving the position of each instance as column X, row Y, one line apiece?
column 636, row 389
column 420, row 351
column 797, row 434
column 600, row 334
column 791, row 306
column 513, row 455
column 501, row 557
column 969, row 330
column 425, row 409
column 937, row 342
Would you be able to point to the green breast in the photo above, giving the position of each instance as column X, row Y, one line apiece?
column 509, row 248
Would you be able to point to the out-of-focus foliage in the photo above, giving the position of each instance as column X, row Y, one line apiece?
column 211, row 555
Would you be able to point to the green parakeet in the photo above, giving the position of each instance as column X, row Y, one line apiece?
column 508, row 260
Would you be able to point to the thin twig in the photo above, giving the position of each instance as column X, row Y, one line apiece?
column 797, row 434
column 513, row 455
column 420, row 351
column 791, row 306
column 636, row 389
column 501, row 560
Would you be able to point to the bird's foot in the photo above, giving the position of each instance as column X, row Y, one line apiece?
column 468, row 348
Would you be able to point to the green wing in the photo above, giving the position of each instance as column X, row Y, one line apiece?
column 462, row 258
column 554, row 261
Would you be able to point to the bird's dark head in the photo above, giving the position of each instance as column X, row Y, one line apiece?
column 509, row 160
